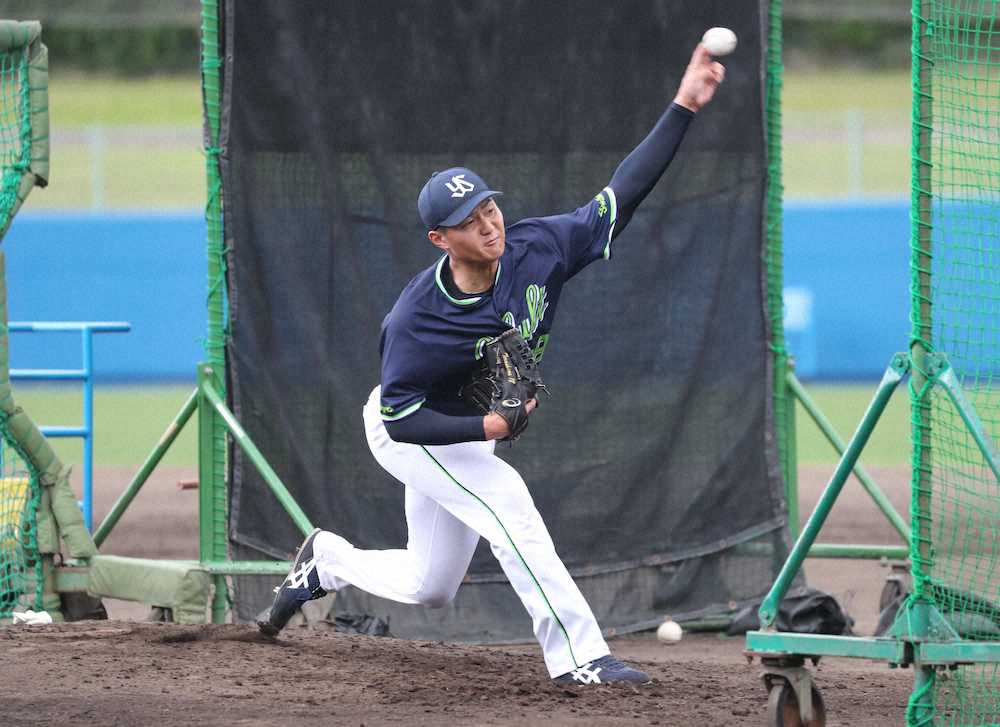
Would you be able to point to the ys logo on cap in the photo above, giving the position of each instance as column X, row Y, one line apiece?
column 459, row 186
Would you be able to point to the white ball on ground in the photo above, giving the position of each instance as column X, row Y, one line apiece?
column 669, row 632
column 719, row 41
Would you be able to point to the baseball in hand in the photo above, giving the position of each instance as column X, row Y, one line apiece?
column 719, row 41
column 669, row 632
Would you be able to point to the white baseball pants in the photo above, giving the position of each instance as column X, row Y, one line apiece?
column 454, row 494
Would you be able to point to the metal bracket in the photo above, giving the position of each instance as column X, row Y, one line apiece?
column 919, row 621
column 901, row 363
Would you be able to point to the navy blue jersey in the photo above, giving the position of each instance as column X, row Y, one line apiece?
column 432, row 341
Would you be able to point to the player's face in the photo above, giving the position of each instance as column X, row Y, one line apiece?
column 479, row 238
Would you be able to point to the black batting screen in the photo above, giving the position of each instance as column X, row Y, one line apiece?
column 654, row 462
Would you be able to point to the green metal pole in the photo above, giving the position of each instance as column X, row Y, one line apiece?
column 920, row 710
column 791, row 466
column 863, row 552
column 972, row 421
column 211, row 510
column 768, row 611
column 212, row 459
column 783, row 405
column 121, row 505
column 270, row 476
column 895, row 519
column 248, row 567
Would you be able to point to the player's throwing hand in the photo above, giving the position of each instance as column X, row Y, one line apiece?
column 702, row 77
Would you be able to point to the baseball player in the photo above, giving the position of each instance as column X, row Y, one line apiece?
column 489, row 280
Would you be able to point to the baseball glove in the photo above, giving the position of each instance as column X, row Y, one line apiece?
column 508, row 380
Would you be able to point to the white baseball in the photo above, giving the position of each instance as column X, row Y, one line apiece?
column 669, row 632
column 719, row 41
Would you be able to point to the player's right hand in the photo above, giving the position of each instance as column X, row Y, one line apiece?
column 701, row 78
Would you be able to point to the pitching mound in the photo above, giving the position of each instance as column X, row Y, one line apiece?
column 124, row 674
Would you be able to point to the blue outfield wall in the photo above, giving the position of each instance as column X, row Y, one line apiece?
column 852, row 262
column 846, row 279
column 147, row 269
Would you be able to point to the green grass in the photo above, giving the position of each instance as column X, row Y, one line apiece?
column 136, row 172
column 843, row 406
column 172, row 175
column 816, row 107
column 85, row 100
column 831, row 91
column 133, row 178
column 129, row 420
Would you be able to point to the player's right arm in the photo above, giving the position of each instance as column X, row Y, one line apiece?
column 639, row 172
column 585, row 235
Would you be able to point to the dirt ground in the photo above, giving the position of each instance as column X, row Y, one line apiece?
column 128, row 671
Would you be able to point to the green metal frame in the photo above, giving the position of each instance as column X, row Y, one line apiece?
column 215, row 421
column 893, row 375
column 829, row 550
column 213, row 416
column 920, row 636
column 787, row 389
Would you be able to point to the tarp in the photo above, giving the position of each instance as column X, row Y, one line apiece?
column 654, row 463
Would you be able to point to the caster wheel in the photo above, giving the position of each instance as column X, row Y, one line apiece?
column 783, row 707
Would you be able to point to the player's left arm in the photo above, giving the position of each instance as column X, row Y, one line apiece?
column 639, row 172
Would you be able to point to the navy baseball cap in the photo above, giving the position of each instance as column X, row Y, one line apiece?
column 449, row 197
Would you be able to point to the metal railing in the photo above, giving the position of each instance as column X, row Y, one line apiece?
column 86, row 329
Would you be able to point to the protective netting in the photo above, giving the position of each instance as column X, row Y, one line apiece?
column 23, row 115
column 655, row 464
column 23, row 163
column 956, row 312
column 21, row 582
column 967, row 695
column 15, row 128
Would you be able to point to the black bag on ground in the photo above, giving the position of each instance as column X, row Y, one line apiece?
column 805, row 611
column 361, row 623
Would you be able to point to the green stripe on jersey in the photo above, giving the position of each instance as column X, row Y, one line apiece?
column 613, row 201
column 388, row 415
column 444, row 290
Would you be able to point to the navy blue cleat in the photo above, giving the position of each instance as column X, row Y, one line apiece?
column 301, row 585
column 605, row 670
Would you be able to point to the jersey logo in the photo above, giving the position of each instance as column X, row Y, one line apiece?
column 537, row 303
column 535, row 297
column 459, row 186
column 602, row 204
